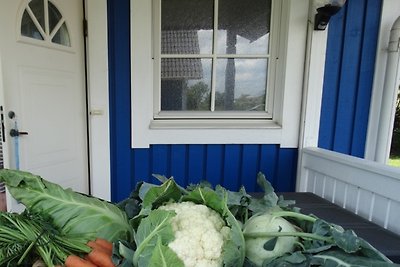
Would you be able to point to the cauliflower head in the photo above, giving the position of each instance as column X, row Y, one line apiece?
column 200, row 233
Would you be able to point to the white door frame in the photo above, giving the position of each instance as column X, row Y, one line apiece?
column 98, row 105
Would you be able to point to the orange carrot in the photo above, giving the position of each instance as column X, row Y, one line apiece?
column 75, row 261
column 104, row 243
column 96, row 246
column 100, row 257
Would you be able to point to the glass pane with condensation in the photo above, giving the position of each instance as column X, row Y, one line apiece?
column 241, row 84
column 37, row 7
column 28, row 27
column 185, row 84
column 243, row 26
column 54, row 16
column 186, row 26
column 62, row 36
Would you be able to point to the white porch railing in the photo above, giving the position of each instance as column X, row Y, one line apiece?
column 367, row 188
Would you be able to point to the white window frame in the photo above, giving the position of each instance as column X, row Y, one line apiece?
column 270, row 56
column 283, row 129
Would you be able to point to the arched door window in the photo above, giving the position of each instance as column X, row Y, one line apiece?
column 41, row 20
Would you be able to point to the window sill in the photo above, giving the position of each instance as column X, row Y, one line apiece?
column 214, row 124
column 208, row 132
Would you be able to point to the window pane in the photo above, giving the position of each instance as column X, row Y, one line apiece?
column 243, row 26
column 37, row 7
column 28, row 28
column 62, row 36
column 186, row 26
column 185, row 84
column 54, row 16
column 241, row 84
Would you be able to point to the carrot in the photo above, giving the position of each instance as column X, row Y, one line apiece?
column 96, row 246
column 75, row 261
column 100, row 257
column 104, row 243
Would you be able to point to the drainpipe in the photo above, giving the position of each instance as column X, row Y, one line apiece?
column 389, row 96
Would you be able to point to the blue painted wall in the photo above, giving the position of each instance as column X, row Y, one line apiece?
column 229, row 165
column 349, row 71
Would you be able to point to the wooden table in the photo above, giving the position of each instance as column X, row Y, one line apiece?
column 385, row 241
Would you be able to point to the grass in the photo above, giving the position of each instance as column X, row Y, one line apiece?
column 394, row 161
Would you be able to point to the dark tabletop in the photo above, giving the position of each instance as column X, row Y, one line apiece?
column 383, row 240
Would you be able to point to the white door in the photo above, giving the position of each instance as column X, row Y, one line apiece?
column 42, row 57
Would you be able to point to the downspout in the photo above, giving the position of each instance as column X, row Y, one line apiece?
column 389, row 96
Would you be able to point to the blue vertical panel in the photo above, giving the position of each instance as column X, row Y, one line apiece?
column 268, row 161
column 345, row 106
column 160, row 161
column 119, row 91
column 350, row 76
column 286, row 176
column 333, row 63
column 178, row 163
column 214, row 164
column 371, row 31
column 196, row 163
column 232, row 166
column 250, row 167
column 141, row 164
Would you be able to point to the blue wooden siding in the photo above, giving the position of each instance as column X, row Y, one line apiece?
column 349, row 71
column 229, row 165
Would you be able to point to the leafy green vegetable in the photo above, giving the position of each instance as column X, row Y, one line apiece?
column 148, row 197
column 234, row 252
column 25, row 237
column 326, row 244
column 316, row 242
column 72, row 212
column 333, row 257
column 260, row 232
column 153, row 228
column 163, row 256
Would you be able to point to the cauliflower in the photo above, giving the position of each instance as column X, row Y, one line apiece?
column 200, row 233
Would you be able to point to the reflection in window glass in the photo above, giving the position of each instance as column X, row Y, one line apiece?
column 37, row 7
column 241, row 84
column 185, row 84
column 243, row 26
column 185, row 25
column 62, row 36
column 238, row 50
column 54, row 16
column 28, row 28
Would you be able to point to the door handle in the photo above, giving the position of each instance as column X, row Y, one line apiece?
column 14, row 133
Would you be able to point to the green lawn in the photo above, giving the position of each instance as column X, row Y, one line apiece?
column 394, row 161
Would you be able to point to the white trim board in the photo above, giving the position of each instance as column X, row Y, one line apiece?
column 313, row 87
column 99, row 130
